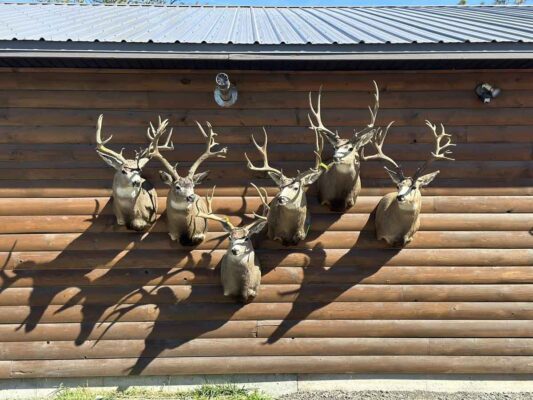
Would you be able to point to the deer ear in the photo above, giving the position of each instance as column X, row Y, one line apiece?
column 198, row 178
column 166, row 178
column 256, row 228
column 364, row 140
column 426, row 179
column 394, row 176
column 142, row 162
column 278, row 180
column 311, row 177
column 111, row 161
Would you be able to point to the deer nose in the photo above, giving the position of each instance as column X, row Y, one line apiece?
column 190, row 198
column 234, row 252
column 283, row 200
column 400, row 197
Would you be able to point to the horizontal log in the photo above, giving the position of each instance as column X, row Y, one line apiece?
column 230, row 205
column 44, row 278
column 269, row 258
column 220, row 172
column 53, row 134
column 270, row 117
column 29, row 316
column 321, row 240
column 375, row 187
column 391, row 328
column 245, row 347
column 266, row 364
column 128, row 293
column 84, row 155
column 187, row 81
column 79, row 333
column 321, row 222
column 252, row 100
column 264, row 329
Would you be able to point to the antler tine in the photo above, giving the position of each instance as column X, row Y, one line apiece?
column 441, row 151
column 210, row 143
column 209, row 200
column 210, row 215
column 153, row 150
column 373, row 113
column 263, row 195
column 317, row 113
column 264, row 153
column 101, row 144
column 319, row 147
column 377, row 142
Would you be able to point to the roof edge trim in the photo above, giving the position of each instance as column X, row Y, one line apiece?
column 420, row 51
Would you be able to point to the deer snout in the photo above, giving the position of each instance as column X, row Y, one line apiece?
column 136, row 181
column 234, row 251
column 400, row 198
column 283, row 200
column 190, row 198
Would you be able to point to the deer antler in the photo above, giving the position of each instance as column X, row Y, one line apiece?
column 441, row 151
column 319, row 147
column 210, row 143
column 264, row 152
column 209, row 215
column 330, row 135
column 377, row 142
column 373, row 113
column 263, row 195
column 153, row 150
column 101, row 144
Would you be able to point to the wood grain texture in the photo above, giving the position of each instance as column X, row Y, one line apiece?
column 276, row 293
column 321, row 223
column 270, row 365
column 244, row 347
column 81, row 296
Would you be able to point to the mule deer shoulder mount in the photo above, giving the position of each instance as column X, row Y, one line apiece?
column 240, row 270
column 340, row 184
column 398, row 213
column 183, row 204
column 134, row 198
column 288, row 219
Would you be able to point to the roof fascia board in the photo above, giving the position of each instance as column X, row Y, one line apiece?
column 411, row 51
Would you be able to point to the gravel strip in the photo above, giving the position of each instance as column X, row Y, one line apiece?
column 378, row 395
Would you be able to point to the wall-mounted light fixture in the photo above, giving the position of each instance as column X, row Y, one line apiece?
column 225, row 92
column 486, row 92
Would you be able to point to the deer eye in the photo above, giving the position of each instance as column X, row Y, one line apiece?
column 178, row 187
column 350, row 148
column 124, row 171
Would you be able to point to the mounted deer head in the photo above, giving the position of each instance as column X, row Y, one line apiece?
column 397, row 214
column 340, row 184
column 288, row 219
column 134, row 198
column 240, row 269
column 183, row 205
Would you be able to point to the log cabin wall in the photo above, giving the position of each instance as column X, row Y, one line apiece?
column 79, row 297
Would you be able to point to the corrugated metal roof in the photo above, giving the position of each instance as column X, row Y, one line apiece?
column 266, row 25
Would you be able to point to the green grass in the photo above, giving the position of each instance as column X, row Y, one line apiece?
column 205, row 392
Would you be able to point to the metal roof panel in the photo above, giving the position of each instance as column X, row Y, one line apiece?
column 266, row 25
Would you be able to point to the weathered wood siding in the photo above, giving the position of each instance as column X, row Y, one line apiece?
column 79, row 297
